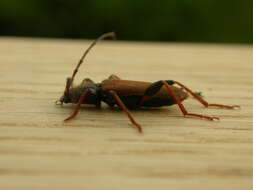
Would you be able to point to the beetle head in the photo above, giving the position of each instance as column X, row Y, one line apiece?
column 73, row 94
column 69, row 96
column 65, row 98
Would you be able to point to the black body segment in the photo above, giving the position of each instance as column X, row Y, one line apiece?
column 156, row 86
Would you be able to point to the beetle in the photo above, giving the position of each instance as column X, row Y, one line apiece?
column 127, row 94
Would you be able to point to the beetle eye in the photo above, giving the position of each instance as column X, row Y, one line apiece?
column 66, row 99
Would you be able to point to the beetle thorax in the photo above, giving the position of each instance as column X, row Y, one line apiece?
column 86, row 86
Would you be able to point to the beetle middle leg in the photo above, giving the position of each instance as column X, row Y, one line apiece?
column 114, row 77
column 124, row 108
column 78, row 106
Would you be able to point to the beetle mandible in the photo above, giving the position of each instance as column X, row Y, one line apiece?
column 128, row 94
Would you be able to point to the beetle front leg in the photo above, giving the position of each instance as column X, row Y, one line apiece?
column 124, row 108
column 78, row 106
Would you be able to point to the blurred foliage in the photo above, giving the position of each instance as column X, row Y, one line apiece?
column 226, row 21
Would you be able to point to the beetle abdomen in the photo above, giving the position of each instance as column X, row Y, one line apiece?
column 133, row 102
column 158, row 102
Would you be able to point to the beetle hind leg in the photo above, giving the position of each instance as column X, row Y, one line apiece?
column 181, row 106
column 155, row 87
column 203, row 102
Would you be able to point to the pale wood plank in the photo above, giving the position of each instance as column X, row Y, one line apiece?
column 100, row 149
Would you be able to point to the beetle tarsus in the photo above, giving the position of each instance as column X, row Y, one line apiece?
column 202, row 116
column 224, row 106
column 139, row 128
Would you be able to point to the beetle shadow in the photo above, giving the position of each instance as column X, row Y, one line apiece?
column 104, row 107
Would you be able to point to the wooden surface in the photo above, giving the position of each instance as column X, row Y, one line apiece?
column 100, row 149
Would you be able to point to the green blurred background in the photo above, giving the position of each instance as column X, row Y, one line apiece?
column 223, row 21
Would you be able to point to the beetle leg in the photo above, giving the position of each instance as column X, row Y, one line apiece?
column 114, row 77
column 181, row 106
column 78, row 106
column 124, row 108
column 206, row 104
column 155, row 87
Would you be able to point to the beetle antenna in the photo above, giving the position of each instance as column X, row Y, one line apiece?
column 103, row 36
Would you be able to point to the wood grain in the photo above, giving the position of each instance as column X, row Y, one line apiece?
column 100, row 149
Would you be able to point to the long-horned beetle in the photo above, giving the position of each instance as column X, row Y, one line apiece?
column 128, row 94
